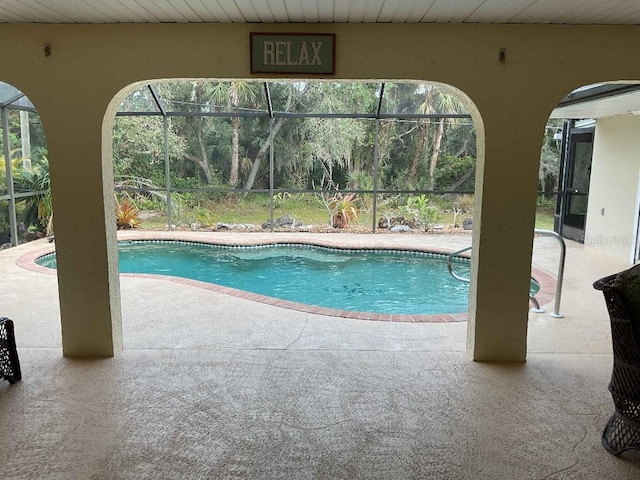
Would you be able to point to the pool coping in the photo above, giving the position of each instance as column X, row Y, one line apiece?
column 544, row 296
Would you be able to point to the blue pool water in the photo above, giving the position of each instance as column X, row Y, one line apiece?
column 365, row 280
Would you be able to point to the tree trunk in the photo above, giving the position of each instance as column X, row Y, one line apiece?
column 419, row 152
column 235, row 142
column 463, row 151
column 201, row 161
column 263, row 150
column 204, row 166
column 463, row 178
column 437, row 142
column 260, row 155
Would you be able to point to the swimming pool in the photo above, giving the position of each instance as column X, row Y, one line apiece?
column 359, row 280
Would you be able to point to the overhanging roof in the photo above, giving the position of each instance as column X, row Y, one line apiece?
column 600, row 101
column 574, row 12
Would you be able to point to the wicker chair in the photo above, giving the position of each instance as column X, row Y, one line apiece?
column 622, row 431
column 9, row 363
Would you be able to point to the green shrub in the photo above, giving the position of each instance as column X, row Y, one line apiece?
column 418, row 207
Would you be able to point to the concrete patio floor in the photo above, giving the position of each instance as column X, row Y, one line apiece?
column 215, row 386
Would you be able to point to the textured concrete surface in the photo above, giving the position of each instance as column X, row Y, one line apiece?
column 213, row 386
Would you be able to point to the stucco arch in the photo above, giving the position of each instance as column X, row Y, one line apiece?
column 88, row 65
column 111, row 113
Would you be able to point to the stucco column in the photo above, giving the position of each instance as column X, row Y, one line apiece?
column 506, row 186
column 84, row 223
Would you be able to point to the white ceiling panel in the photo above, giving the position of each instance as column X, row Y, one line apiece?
column 625, row 14
column 586, row 12
column 111, row 10
column 232, row 11
column 546, row 11
column 183, row 7
column 138, row 13
column 216, row 11
column 372, row 11
column 171, row 11
column 278, row 10
column 396, row 11
column 249, row 13
column 12, row 17
column 294, row 11
column 82, row 10
column 325, row 10
column 310, row 10
column 199, row 9
column 131, row 10
column 153, row 11
column 263, row 11
column 445, row 11
column 621, row 13
column 16, row 15
column 589, row 9
column 342, row 11
column 43, row 12
column 421, row 10
column 498, row 11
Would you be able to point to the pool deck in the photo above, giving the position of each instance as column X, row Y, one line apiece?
column 334, row 241
column 211, row 385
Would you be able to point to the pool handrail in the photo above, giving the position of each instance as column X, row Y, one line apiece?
column 538, row 231
column 563, row 254
column 450, row 266
column 532, row 298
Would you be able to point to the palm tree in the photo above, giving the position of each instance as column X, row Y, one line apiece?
column 436, row 100
column 232, row 94
column 251, row 178
column 39, row 206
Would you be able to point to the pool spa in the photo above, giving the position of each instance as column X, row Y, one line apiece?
column 381, row 282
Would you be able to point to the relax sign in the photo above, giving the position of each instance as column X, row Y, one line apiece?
column 292, row 53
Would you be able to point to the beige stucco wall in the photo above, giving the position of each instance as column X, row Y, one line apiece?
column 89, row 64
column 614, row 186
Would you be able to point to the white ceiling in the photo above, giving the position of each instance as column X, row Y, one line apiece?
column 579, row 12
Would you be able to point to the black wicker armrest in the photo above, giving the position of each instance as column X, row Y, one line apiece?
column 622, row 431
column 9, row 363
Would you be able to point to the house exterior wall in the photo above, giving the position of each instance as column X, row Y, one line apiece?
column 77, row 88
column 613, row 191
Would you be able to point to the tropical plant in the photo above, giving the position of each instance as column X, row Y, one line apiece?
column 344, row 209
column 280, row 198
column 419, row 208
column 39, row 205
column 127, row 215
